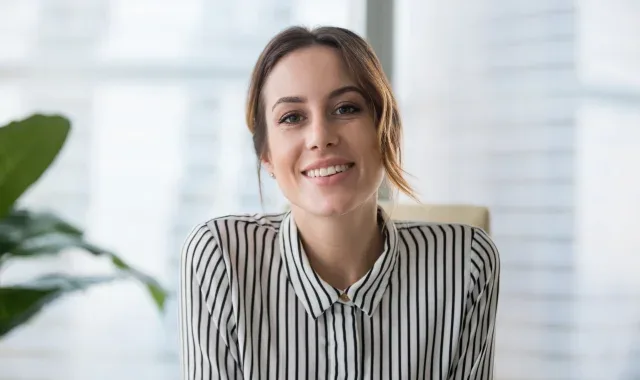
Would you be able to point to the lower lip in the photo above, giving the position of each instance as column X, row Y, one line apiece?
column 330, row 180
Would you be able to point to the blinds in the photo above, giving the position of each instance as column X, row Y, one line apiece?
column 608, row 132
column 143, row 84
column 530, row 108
column 156, row 92
column 501, row 111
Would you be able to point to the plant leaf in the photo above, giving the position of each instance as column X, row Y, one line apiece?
column 20, row 227
column 27, row 234
column 59, row 242
column 27, row 148
column 19, row 303
column 158, row 293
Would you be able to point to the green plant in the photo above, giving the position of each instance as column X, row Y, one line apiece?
column 27, row 149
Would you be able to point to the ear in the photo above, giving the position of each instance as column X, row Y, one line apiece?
column 266, row 164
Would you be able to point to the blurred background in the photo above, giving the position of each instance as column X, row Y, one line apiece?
column 531, row 108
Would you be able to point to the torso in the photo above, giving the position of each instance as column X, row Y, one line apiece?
column 402, row 320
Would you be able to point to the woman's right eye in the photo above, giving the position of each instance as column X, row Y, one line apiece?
column 291, row 118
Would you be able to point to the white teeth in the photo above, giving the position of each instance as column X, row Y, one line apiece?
column 324, row 172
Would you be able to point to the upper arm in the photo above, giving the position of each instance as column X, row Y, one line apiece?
column 475, row 354
column 207, row 326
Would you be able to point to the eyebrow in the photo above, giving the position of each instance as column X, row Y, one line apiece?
column 332, row 94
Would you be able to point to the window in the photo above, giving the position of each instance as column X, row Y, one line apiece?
column 156, row 94
column 531, row 108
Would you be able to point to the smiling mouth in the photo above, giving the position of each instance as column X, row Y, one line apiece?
column 328, row 171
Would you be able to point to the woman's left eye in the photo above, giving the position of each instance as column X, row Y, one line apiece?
column 346, row 110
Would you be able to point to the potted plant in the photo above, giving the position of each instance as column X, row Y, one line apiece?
column 27, row 149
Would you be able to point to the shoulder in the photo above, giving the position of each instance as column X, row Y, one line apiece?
column 479, row 250
column 240, row 230
column 214, row 238
column 484, row 258
column 436, row 233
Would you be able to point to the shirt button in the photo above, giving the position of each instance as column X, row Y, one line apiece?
column 344, row 297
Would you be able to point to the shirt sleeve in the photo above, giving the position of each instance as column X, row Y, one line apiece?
column 208, row 343
column 475, row 354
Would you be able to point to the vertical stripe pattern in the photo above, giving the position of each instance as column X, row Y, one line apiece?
column 251, row 306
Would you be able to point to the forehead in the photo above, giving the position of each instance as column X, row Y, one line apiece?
column 311, row 72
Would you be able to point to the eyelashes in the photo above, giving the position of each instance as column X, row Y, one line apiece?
column 347, row 109
column 297, row 117
column 290, row 118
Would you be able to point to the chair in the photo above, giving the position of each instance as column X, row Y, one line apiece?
column 476, row 216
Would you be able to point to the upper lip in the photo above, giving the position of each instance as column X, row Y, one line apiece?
column 326, row 163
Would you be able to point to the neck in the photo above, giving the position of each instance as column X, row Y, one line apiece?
column 341, row 249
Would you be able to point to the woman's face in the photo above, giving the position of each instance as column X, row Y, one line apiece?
column 322, row 141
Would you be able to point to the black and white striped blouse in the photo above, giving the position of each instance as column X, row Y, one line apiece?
column 251, row 306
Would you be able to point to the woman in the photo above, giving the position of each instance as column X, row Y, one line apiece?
column 333, row 289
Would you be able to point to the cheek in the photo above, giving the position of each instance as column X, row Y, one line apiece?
column 284, row 153
column 373, row 153
column 373, row 142
column 367, row 140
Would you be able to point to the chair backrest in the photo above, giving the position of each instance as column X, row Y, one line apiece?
column 476, row 216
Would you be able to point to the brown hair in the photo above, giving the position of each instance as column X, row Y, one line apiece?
column 364, row 67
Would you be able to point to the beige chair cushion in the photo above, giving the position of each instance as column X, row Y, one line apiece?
column 476, row 216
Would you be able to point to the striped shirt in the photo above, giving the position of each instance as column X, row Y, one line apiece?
column 251, row 306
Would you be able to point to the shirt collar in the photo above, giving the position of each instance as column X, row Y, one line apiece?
column 314, row 293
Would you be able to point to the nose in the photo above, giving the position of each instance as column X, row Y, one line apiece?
column 322, row 134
